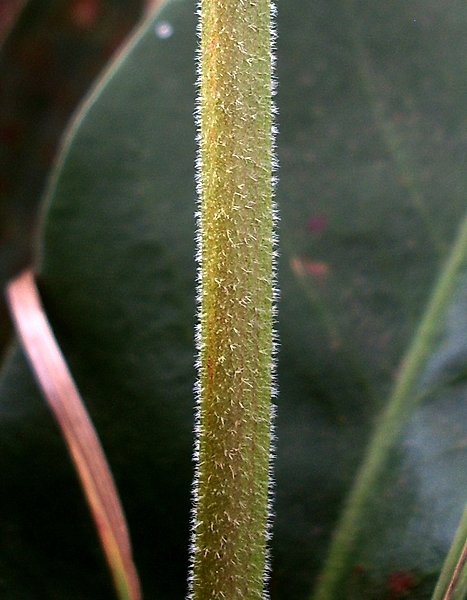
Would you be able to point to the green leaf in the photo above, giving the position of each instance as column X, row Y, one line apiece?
column 52, row 52
column 372, row 191
column 137, row 343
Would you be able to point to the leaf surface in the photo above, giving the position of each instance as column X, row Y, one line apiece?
column 372, row 191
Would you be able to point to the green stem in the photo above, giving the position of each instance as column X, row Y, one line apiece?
column 399, row 408
column 452, row 582
column 236, row 296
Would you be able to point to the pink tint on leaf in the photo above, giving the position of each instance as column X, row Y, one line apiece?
column 316, row 224
column 399, row 584
column 304, row 266
column 316, row 269
column 9, row 10
column 84, row 13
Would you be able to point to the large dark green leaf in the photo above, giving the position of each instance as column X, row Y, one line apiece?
column 50, row 52
column 372, row 188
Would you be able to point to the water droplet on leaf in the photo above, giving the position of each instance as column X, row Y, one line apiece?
column 164, row 30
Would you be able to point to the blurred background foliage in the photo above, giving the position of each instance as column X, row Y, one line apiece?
column 372, row 151
column 50, row 53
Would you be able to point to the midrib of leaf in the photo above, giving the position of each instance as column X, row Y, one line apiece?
column 394, row 146
column 389, row 134
column 391, row 423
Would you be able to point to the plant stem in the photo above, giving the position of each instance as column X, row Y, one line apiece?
column 452, row 582
column 235, row 337
column 398, row 410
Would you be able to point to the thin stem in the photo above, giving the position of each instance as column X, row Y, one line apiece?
column 452, row 582
column 59, row 389
column 236, row 301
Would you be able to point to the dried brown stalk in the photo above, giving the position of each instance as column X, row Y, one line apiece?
column 54, row 378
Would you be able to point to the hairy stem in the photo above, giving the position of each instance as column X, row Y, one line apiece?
column 235, row 337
